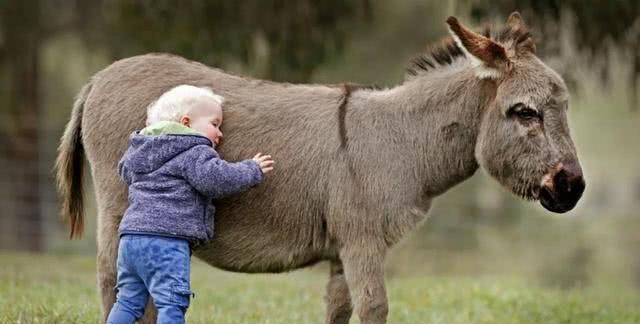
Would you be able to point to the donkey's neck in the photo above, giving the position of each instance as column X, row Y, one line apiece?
column 428, row 126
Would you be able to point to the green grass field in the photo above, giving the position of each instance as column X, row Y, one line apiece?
column 61, row 289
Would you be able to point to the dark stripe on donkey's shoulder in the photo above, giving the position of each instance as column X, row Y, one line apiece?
column 347, row 89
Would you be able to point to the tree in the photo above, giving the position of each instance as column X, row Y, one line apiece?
column 19, row 58
column 277, row 40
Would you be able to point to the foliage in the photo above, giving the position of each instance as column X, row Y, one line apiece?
column 288, row 38
column 597, row 25
column 596, row 22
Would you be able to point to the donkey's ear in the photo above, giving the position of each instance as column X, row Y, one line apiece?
column 490, row 57
column 525, row 41
column 515, row 21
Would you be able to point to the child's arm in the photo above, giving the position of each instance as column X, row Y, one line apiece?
column 122, row 171
column 217, row 178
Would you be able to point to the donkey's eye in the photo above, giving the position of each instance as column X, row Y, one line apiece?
column 523, row 112
column 527, row 113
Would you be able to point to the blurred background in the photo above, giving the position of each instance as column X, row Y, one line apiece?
column 49, row 49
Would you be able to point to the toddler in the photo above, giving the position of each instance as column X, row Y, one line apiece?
column 173, row 172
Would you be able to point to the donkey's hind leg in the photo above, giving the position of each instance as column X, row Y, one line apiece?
column 338, row 300
column 107, row 262
column 111, row 197
column 150, row 313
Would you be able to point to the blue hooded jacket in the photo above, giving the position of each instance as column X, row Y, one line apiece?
column 172, row 179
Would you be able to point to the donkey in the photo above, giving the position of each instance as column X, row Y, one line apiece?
column 357, row 166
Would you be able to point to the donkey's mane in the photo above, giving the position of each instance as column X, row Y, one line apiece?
column 446, row 51
column 441, row 54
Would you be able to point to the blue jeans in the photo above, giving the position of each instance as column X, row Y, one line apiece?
column 152, row 265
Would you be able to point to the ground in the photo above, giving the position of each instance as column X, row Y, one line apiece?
column 61, row 289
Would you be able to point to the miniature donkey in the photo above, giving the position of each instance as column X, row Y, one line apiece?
column 357, row 166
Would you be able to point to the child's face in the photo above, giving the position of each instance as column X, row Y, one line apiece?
column 205, row 117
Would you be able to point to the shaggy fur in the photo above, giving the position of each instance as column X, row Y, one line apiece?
column 357, row 167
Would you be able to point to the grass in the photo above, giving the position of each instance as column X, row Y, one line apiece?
column 61, row 289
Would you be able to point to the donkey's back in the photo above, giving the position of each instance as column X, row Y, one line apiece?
column 277, row 226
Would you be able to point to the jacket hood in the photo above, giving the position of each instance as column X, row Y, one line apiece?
column 147, row 153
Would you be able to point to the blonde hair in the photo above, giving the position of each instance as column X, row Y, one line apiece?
column 177, row 102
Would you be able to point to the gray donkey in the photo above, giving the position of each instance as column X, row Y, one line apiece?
column 357, row 167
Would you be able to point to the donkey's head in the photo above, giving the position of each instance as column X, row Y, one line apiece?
column 524, row 139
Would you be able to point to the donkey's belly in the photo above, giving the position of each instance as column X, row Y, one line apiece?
column 256, row 260
column 254, row 246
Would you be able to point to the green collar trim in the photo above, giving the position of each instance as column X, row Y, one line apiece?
column 168, row 128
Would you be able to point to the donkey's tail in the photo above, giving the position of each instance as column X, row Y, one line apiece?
column 70, row 165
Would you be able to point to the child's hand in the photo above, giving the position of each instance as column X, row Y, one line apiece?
column 264, row 162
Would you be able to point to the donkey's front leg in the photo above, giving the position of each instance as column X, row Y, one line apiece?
column 338, row 300
column 364, row 272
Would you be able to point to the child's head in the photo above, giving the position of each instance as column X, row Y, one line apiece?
column 194, row 107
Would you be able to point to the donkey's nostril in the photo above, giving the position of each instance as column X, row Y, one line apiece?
column 561, row 192
column 568, row 186
column 561, row 182
column 577, row 186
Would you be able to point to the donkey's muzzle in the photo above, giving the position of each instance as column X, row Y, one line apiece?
column 562, row 193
